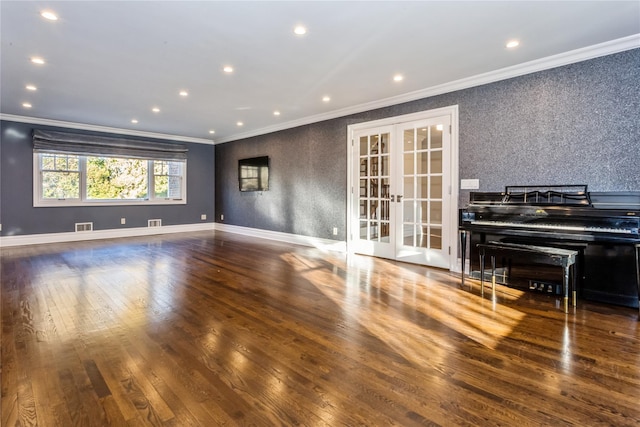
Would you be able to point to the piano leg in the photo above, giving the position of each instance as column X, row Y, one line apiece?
column 565, row 287
column 493, row 277
column 481, row 252
column 463, row 248
column 574, row 296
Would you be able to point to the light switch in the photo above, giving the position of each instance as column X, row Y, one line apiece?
column 469, row 184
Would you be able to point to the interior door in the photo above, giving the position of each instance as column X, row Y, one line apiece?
column 401, row 196
column 372, row 214
column 423, row 199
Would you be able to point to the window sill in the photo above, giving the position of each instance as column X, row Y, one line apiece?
column 103, row 203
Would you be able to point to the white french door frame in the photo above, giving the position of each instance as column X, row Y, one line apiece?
column 452, row 187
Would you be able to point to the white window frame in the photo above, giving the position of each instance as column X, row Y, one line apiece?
column 169, row 175
column 39, row 201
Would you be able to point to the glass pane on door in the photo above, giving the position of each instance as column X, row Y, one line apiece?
column 423, row 188
column 374, row 180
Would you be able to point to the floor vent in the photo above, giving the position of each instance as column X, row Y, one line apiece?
column 84, row 226
column 155, row 223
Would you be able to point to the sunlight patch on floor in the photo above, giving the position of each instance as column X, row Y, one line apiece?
column 397, row 291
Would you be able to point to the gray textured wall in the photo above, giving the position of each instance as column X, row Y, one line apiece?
column 577, row 124
column 306, row 181
column 19, row 217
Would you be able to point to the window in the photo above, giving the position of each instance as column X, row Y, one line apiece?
column 167, row 178
column 77, row 169
column 60, row 176
column 110, row 178
column 73, row 180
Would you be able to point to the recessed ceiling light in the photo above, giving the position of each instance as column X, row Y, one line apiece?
column 212, row 131
column 37, row 60
column 300, row 30
column 26, row 105
column 398, row 78
column 239, row 123
column 326, row 99
column 47, row 14
column 512, row 43
column 228, row 69
column 276, row 113
column 155, row 109
column 134, row 121
column 184, row 93
column 31, row 87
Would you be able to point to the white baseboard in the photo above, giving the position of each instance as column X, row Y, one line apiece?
column 37, row 239
column 296, row 239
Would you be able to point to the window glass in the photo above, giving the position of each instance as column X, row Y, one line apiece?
column 60, row 185
column 167, row 179
column 66, row 179
column 109, row 178
column 60, row 177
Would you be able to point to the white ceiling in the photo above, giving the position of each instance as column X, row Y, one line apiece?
column 108, row 62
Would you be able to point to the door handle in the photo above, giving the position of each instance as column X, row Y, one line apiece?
column 399, row 198
column 392, row 198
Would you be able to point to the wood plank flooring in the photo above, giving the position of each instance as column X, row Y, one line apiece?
column 204, row 329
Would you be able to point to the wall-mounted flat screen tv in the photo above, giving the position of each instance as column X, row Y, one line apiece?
column 253, row 174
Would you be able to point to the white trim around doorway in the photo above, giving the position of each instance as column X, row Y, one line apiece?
column 452, row 111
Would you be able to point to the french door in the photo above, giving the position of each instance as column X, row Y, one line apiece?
column 401, row 200
column 376, row 213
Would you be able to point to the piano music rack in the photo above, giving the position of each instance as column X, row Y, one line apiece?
column 573, row 195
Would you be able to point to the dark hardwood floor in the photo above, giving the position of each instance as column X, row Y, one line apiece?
column 200, row 329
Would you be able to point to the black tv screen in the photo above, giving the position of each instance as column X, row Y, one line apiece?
column 253, row 174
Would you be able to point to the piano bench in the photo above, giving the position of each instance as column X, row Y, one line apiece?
column 538, row 254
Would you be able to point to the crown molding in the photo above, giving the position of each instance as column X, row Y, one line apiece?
column 106, row 129
column 566, row 58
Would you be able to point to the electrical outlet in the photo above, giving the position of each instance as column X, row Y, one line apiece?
column 123, row 221
column 221, row 217
column 335, row 231
column 203, row 217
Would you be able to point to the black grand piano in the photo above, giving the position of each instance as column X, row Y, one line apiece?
column 603, row 227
